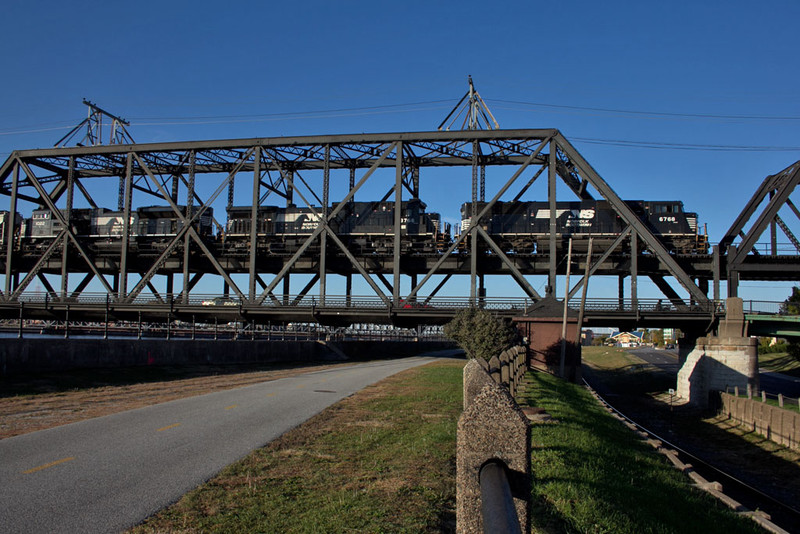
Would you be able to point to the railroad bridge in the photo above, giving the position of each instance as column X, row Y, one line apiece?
column 298, row 201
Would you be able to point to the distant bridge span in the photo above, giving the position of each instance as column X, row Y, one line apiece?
column 343, row 311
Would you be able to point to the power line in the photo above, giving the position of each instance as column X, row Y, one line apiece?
column 280, row 117
column 685, row 146
column 652, row 114
column 435, row 104
column 298, row 113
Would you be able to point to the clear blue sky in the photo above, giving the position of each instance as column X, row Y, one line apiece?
column 704, row 77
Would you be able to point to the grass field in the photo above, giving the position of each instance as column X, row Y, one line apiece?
column 591, row 474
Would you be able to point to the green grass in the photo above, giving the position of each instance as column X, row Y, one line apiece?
column 380, row 461
column 779, row 362
column 788, row 404
column 616, row 368
column 591, row 474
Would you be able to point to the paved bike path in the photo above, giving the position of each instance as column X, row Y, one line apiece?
column 110, row 473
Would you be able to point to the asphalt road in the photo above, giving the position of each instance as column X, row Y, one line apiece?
column 665, row 359
column 110, row 473
column 772, row 383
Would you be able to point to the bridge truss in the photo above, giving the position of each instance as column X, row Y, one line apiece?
column 763, row 211
column 323, row 173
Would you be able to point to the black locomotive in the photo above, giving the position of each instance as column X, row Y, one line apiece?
column 362, row 226
column 524, row 227
column 154, row 223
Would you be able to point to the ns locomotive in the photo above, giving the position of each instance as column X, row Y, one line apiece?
column 366, row 227
column 152, row 223
column 524, row 227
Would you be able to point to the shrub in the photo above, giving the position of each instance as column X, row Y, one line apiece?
column 479, row 333
column 764, row 346
column 793, row 349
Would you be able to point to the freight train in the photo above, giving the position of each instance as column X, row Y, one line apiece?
column 524, row 227
column 368, row 227
column 362, row 226
column 152, row 223
column 365, row 227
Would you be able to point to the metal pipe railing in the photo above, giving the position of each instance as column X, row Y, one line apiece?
column 497, row 504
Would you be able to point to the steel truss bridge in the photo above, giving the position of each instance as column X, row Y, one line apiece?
column 307, row 171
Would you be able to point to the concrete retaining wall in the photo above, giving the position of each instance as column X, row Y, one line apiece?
column 773, row 422
column 24, row 356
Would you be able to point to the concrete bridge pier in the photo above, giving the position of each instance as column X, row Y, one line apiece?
column 727, row 359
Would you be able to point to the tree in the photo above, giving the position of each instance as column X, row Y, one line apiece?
column 657, row 337
column 479, row 333
column 791, row 306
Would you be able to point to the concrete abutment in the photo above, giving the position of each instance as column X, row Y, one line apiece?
column 714, row 363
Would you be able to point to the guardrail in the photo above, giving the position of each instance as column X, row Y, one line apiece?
column 764, row 307
column 497, row 503
column 493, row 448
column 421, row 304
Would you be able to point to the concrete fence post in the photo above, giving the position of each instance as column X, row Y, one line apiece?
column 491, row 428
column 763, row 396
column 749, row 391
column 476, row 377
column 494, row 369
column 736, row 391
column 780, row 400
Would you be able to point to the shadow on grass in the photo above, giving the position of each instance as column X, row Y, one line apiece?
column 592, row 474
column 720, row 442
column 786, row 364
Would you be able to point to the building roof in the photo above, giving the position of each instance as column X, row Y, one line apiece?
column 639, row 335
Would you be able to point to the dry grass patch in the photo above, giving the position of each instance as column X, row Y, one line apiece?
column 29, row 405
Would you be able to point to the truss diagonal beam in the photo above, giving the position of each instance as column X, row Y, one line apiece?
column 737, row 228
column 186, row 227
column 617, row 242
column 627, row 214
column 518, row 276
column 324, row 223
column 790, row 177
column 58, row 215
column 358, row 267
column 54, row 246
column 476, row 222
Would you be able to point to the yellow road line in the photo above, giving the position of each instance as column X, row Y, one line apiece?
column 271, row 394
column 232, row 406
column 45, row 466
column 168, row 427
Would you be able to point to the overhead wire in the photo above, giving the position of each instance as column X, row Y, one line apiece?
column 651, row 114
column 437, row 104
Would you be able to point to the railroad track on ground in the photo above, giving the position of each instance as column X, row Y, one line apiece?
column 770, row 513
